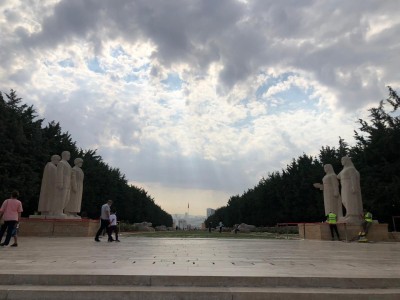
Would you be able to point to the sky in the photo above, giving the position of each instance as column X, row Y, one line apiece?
column 197, row 100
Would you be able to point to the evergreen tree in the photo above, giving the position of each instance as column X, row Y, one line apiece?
column 288, row 196
column 26, row 146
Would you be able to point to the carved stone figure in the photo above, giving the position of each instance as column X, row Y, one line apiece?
column 330, row 187
column 351, row 191
column 63, row 184
column 48, row 187
column 73, row 207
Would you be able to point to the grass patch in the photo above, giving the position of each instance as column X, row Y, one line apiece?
column 213, row 235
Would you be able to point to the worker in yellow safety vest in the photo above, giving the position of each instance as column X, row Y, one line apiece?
column 366, row 224
column 331, row 218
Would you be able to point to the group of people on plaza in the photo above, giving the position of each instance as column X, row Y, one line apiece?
column 108, row 223
column 366, row 217
column 349, row 196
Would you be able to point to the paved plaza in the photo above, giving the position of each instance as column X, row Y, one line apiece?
column 201, row 257
column 142, row 268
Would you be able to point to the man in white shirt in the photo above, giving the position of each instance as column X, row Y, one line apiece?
column 104, row 220
column 113, row 226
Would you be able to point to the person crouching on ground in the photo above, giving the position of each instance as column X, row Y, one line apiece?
column 113, row 226
column 10, row 210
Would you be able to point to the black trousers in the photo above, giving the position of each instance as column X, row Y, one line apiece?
column 366, row 225
column 112, row 229
column 9, row 225
column 103, row 225
column 333, row 227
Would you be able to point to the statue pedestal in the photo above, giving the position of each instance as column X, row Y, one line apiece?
column 320, row 231
column 55, row 217
column 42, row 226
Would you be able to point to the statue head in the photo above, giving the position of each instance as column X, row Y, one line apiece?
column 328, row 169
column 78, row 162
column 55, row 159
column 346, row 161
column 66, row 155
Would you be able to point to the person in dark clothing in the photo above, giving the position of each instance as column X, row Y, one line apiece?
column 209, row 227
column 104, row 221
column 331, row 219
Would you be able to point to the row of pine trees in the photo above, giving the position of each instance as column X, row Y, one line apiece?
column 289, row 196
column 26, row 146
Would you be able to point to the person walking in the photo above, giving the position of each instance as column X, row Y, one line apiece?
column 220, row 226
column 331, row 219
column 209, row 227
column 10, row 210
column 113, row 226
column 237, row 228
column 104, row 220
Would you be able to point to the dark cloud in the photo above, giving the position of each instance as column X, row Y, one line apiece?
column 314, row 36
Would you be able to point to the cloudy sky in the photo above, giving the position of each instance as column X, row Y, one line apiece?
column 196, row 100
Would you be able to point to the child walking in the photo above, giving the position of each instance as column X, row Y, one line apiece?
column 113, row 226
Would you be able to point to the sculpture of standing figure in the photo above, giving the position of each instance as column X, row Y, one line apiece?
column 63, row 184
column 330, row 186
column 73, row 207
column 351, row 191
column 48, row 187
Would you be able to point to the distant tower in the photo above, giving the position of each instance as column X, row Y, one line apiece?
column 210, row 212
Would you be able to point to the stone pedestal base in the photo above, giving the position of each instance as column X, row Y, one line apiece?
column 58, row 227
column 320, row 231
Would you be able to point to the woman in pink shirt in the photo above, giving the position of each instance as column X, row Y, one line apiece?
column 11, row 212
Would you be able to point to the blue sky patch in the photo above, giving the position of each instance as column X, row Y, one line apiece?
column 291, row 100
column 272, row 81
column 117, row 51
column 131, row 77
column 66, row 63
column 144, row 67
column 173, row 82
column 94, row 66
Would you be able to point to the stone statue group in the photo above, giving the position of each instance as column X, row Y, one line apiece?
column 349, row 195
column 62, row 187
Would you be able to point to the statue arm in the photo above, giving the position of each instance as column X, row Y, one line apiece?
column 318, row 186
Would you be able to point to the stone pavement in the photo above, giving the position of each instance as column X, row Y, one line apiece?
column 235, row 269
column 201, row 257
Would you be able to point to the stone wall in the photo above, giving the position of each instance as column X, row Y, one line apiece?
column 48, row 227
column 320, row 231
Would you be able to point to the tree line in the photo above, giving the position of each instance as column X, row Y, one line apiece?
column 289, row 196
column 26, row 146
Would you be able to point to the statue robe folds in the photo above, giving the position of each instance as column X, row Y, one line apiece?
column 74, row 204
column 351, row 192
column 332, row 199
column 64, row 171
column 48, row 188
column 330, row 187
